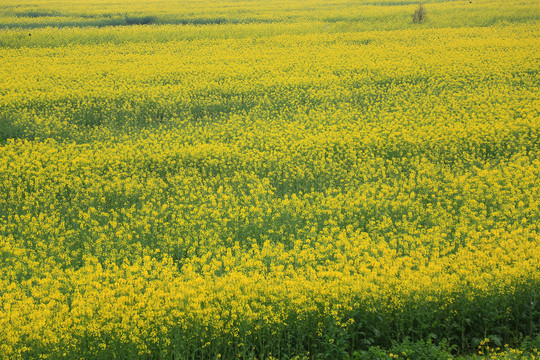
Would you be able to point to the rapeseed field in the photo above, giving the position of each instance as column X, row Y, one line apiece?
column 275, row 179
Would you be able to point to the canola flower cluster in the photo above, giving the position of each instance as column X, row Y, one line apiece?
column 168, row 193
column 488, row 350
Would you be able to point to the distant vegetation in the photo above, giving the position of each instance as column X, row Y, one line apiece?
column 359, row 16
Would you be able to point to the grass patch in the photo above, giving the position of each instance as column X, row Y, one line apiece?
column 37, row 14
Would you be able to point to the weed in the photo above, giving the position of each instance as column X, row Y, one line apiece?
column 419, row 15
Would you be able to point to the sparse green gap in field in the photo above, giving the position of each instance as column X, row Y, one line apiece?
column 269, row 180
